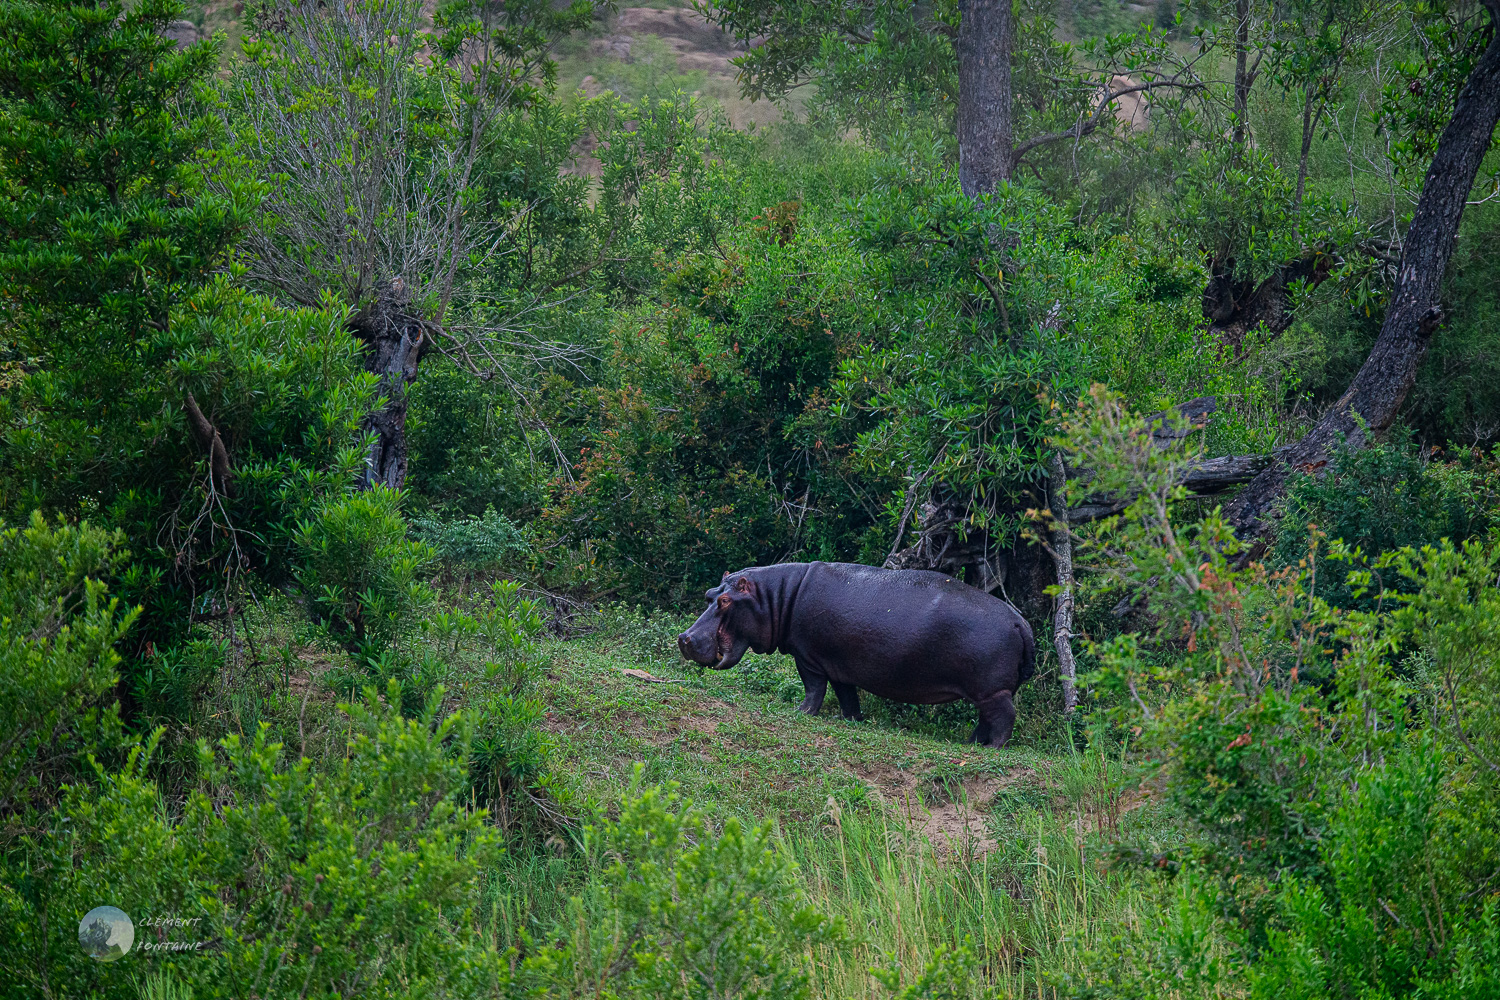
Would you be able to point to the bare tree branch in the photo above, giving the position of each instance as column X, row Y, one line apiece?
column 1184, row 79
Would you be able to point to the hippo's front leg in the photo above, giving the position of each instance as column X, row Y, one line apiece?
column 816, row 686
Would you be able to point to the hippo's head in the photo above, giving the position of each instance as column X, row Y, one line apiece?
column 736, row 620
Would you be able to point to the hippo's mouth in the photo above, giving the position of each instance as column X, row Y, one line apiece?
column 728, row 649
column 723, row 643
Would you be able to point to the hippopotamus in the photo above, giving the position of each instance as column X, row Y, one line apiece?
column 907, row 635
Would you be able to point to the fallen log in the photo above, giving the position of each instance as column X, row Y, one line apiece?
column 1205, row 478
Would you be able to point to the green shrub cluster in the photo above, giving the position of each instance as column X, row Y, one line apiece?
column 683, row 909
column 58, row 629
column 1382, row 498
column 1336, row 762
column 360, row 573
column 791, row 381
column 360, row 875
column 351, row 879
column 472, row 544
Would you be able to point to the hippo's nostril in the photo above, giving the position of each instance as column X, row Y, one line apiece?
column 682, row 641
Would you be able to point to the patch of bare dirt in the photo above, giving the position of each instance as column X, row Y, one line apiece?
column 1129, row 109
column 314, row 665
column 700, row 724
column 958, row 821
column 696, row 42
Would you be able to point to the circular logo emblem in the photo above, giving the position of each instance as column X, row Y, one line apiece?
column 105, row 933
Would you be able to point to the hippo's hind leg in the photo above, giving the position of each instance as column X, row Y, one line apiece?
column 816, row 686
column 997, row 718
column 848, row 696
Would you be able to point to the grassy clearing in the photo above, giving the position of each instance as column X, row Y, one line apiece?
column 917, row 839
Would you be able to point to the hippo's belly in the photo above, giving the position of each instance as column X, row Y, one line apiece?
column 916, row 645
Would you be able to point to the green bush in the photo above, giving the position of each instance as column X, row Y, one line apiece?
column 948, row 976
column 510, row 627
column 1386, row 921
column 509, row 753
column 503, row 632
column 667, row 492
column 681, row 909
column 417, row 674
column 790, row 383
column 1382, row 498
column 470, row 449
column 140, row 348
column 58, row 629
column 356, row 879
column 360, row 574
column 169, row 684
column 472, row 544
column 1340, row 766
column 509, row 747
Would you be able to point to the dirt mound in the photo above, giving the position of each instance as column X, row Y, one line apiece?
column 683, row 25
column 952, row 815
column 695, row 42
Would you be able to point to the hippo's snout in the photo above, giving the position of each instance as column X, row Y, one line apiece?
column 700, row 649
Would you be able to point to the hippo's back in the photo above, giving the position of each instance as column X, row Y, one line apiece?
column 918, row 587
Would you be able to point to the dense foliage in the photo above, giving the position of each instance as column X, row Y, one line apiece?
column 349, row 371
column 159, row 394
column 1335, row 761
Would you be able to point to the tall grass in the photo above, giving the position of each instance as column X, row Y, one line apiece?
column 1033, row 899
column 1031, row 907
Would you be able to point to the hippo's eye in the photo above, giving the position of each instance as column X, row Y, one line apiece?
column 724, row 602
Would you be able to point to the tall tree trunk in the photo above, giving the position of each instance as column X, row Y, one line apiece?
column 986, row 144
column 394, row 343
column 1309, row 126
column 1378, row 390
column 1241, row 72
column 1062, row 556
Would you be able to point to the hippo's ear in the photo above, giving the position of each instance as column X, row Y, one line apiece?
column 745, row 585
column 725, row 576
